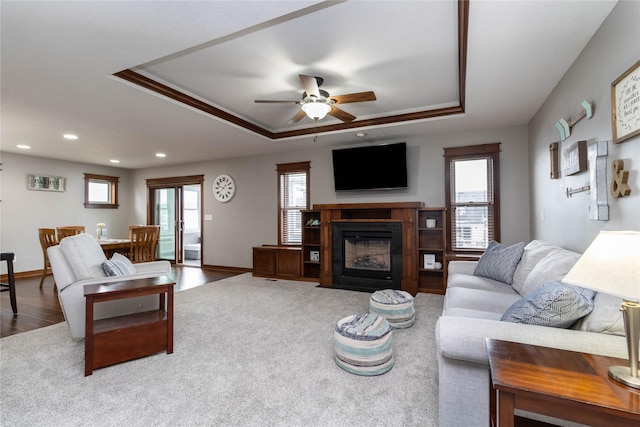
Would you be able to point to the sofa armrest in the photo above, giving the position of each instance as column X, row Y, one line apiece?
column 465, row 339
column 461, row 267
column 160, row 267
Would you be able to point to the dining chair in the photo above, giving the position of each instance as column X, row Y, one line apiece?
column 47, row 238
column 69, row 230
column 144, row 240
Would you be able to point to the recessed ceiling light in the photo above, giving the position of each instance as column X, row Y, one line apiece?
column 70, row 136
column 114, row 161
column 161, row 155
column 23, row 147
column 361, row 134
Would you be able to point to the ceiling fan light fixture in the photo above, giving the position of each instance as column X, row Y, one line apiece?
column 316, row 110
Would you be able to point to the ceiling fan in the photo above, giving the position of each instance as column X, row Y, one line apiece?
column 317, row 103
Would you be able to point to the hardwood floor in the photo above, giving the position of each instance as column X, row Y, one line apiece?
column 38, row 308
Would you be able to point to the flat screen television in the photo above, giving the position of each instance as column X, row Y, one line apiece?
column 375, row 167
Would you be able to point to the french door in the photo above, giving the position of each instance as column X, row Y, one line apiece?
column 175, row 205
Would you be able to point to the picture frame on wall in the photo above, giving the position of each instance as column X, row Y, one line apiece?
column 625, row 104
column 46, row 183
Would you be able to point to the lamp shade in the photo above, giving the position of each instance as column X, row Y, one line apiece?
column 611, row 264
column 316, row 110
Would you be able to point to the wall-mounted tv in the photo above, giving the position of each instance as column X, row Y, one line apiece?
column 375, row 167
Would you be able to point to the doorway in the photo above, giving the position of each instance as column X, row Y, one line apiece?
column 175, row 204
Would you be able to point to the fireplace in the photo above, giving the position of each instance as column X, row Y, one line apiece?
column 367, row 256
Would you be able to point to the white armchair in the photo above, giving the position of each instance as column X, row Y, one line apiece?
column 77, row 261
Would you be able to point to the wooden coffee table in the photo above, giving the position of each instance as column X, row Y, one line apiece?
column 122, row 338
column 562, row 384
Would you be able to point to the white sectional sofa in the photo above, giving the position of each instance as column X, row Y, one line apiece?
column 473, row 309
column 78, row 261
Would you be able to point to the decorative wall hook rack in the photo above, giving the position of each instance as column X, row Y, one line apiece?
column 564, row 126
column 572, row 191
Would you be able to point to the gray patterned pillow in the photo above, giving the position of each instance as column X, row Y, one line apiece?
column 499, row 262
column 554, row 304
column 118, row 265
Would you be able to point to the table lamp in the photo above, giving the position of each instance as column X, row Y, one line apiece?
column 611, row 264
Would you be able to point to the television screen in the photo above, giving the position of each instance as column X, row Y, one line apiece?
column 374, row 167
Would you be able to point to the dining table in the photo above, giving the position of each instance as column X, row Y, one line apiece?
column 112, row 246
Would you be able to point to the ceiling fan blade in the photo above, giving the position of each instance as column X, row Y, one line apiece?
column 299, row 116
column 268, row 101
column 341, row 114
column 354, row 97
column 310, row 85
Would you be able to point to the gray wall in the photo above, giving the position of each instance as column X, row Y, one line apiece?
column 23, row 211
column 612, row 50
column 250, row 218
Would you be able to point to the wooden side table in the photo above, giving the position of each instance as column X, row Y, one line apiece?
column 122, row 338
column 562, row 384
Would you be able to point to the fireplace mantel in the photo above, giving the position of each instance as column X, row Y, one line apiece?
column 402, row 212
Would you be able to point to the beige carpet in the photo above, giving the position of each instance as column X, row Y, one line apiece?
column 248, row 352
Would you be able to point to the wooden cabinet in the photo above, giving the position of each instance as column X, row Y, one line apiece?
column 432, row 240
column 311, row 244
column 277, row 261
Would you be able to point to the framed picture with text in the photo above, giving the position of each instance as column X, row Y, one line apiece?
column 625, row 104
column 46, row 183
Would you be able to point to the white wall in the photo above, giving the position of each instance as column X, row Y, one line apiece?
column 612, row 50
column 250, row 218
column 23, row 211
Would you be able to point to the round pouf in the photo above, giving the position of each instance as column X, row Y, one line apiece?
column 362, row 344
column 395, row 306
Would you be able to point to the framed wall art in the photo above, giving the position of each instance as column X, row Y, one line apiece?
column 46, row 183
column 625, row 104
column 574, row 158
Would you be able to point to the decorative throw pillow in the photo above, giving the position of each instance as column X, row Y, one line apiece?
column 118, row 265
column 499, row 262
column 555, row 304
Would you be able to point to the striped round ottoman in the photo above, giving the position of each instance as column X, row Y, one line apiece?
column 395, row 306
column 362, row 344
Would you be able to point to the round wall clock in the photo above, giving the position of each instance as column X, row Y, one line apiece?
column 224, row 188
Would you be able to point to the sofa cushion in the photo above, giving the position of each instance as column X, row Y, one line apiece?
column 499, row 262
column 554, row 304
column 85, row 256
column 533, row 253
column 605, row 318
column 553, row 267
column 477, row 282
column 118, row 265
column 478, row 299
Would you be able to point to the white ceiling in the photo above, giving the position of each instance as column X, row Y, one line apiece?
column 59, row 57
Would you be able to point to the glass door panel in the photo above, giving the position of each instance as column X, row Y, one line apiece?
column 164, row 215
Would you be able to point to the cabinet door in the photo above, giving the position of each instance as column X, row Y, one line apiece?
column 288, row 263
column 264, row 261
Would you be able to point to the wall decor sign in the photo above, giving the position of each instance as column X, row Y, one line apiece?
column 625, row 104
column 574, row 158
column 46, row 183
column 553, row 161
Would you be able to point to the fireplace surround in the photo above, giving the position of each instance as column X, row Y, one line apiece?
column 400, row 214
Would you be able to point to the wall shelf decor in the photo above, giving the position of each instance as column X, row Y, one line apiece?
column 597, row 154
column 625, row 102
column 574, row 158
column 46, row 183
column 564, row 126
column 619, row 186
column 553, row 160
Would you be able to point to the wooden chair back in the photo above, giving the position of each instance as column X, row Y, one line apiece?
column 47, row 238
column 69, row 230
column 144, row 240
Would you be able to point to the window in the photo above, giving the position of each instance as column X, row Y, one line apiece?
column 293, row 197
column 100, row 191
column 472, row 196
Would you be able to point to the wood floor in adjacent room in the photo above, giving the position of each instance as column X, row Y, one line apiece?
column 38, row 308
